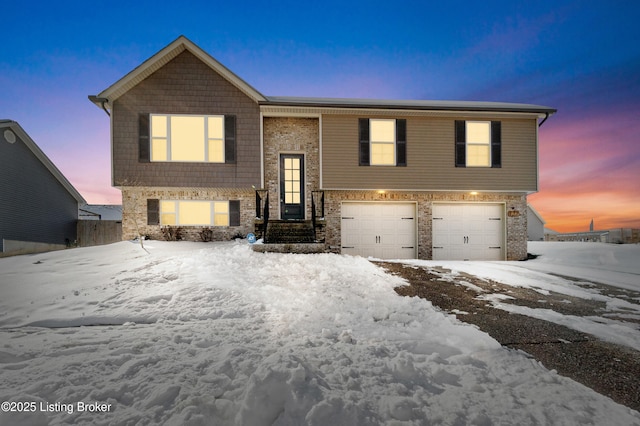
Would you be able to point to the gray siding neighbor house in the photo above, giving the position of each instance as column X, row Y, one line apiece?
column 38, row 205
column 195, row 147
column 535, row 225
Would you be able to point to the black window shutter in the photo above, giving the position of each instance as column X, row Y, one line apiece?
column 363, row 124
column 461, row 143
column 229, row 138
column 496, row 144
column 401, row 143
column 234, row 213
column 153, row 212
column 144, row 144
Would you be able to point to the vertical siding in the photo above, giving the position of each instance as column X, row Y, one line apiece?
column 34, row 206
column 185, row 85
column 430, row 158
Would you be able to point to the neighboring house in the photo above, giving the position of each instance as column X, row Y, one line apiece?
column 613, row 236
column 38, row 205
column 535, row 224
column 191, row 142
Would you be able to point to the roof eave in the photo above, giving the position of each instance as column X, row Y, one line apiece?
column 459, row 106
column 42, row 157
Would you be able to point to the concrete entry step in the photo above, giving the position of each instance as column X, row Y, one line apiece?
column 289, row 232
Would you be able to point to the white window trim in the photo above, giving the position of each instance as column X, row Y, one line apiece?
column 168, row 138
column 372, row 142
column 467, row 144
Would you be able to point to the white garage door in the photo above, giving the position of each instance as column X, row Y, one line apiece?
column 468, row 231
column 382, row 230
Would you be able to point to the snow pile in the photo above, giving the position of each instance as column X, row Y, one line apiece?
column 199, row 334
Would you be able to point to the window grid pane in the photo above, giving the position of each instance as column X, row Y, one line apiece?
column 194, row 212
column 382, row 154
column 383, row 130
column 187, row 138
column 478, row 156
column 221, row 213
column 159, row 149
column 168, row 219
column 216, row 151
column 159, row 126
column 479, row 132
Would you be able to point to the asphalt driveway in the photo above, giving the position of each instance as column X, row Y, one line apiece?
column 607, row 368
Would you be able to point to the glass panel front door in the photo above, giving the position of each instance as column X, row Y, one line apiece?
column 292, row 186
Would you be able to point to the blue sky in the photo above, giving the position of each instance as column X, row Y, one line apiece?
column 581, row 57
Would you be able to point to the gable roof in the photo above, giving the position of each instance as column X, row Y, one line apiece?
column 161, row 58
column 37, row 152
column 182, row 43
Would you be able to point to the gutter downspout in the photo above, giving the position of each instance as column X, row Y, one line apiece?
column 546, row 116
column 101, row 101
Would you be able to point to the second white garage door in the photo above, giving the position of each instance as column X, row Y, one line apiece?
column 382, row 230
column 468, row 231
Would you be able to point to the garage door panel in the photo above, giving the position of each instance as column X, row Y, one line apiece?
column 472, row 231
column 382, row 230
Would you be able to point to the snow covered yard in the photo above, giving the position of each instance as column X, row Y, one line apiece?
column 200, row 334
column 568, row 268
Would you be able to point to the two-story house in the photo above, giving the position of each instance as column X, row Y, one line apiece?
column 193, row 146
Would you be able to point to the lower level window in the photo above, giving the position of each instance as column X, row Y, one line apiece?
column 194, row 213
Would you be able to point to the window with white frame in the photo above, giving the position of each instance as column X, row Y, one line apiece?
column 383, row 142
column 187, row 138
column 194, row 213
column 478, row 143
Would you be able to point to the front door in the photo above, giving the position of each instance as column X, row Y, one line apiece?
column 292, row 186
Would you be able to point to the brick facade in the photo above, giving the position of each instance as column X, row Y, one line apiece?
column 291, row 135
column 134, row 211
column 516, row 222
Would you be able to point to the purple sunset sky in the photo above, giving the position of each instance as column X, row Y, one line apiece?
column 582, row 58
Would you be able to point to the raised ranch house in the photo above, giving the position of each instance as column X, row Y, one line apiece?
column 196, row 147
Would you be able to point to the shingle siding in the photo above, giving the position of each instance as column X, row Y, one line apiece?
column 34, row 206
column 185, row 85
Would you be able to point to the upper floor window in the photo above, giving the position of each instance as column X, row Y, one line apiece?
column 478, row 143
column 383, row 142
column 187, row 138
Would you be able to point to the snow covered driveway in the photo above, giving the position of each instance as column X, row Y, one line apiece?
column 201, row 334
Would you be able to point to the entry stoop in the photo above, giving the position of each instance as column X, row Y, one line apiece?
column 289, row 232
column 290, row 236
